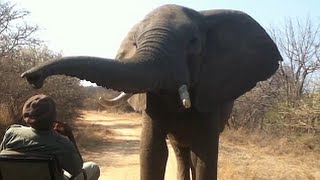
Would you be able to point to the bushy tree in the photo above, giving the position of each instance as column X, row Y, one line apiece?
column 15, row 90
column 20, row 50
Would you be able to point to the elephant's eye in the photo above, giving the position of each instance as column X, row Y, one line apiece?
column 194, row 46
column 193, row 40
column 135, row 44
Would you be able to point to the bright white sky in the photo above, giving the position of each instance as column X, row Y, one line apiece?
column 96, row 27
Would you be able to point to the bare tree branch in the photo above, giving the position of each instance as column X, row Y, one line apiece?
column 14, row 32
column 299, row 41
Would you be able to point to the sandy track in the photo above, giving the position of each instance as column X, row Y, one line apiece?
column 113, row 142
column 118, row 156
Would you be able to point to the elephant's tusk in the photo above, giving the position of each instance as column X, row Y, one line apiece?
column 115, row 101
column 184, row 96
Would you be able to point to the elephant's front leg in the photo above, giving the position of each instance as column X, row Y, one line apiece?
column 153, row 150
column 183, row 161
column 205, row 159
column 204, row 149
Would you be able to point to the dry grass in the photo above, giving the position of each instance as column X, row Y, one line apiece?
column 258, row 156
column 6, row 119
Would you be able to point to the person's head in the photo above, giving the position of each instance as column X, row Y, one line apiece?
column 39, row 112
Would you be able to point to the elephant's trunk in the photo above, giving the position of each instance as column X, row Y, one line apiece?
column 154, row 67
column 134, row 77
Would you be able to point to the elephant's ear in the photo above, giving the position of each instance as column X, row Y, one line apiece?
column 239, row 53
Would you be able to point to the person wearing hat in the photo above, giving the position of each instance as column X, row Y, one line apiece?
column 47, row 136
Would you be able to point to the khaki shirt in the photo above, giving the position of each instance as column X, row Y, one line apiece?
column 26, row 139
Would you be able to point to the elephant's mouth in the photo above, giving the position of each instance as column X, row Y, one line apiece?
column 183, row 94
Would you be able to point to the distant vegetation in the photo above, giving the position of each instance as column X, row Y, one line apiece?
column 20, row 49
column 288, row 103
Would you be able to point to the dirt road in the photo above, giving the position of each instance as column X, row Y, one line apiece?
column 118, row 156
column 112, row 140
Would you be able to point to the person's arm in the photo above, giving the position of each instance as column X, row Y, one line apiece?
column 5, row 139
column 64, row 129
column 2, row 146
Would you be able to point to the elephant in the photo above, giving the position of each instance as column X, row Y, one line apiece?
column 192, row 65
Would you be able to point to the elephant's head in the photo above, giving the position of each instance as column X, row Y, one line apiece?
column 217, row 55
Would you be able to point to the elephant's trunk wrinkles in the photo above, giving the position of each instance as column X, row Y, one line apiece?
column 134, row 77
column 160, row 45
column 155, row 42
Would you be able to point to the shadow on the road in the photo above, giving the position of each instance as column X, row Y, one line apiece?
column 123, row 126
column 114, row 120
column 120, row 147
column 96, row 142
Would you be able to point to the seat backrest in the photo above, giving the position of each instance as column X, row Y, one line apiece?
column 17, row 166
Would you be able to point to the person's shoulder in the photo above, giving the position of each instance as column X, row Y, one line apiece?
column 14, row 127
